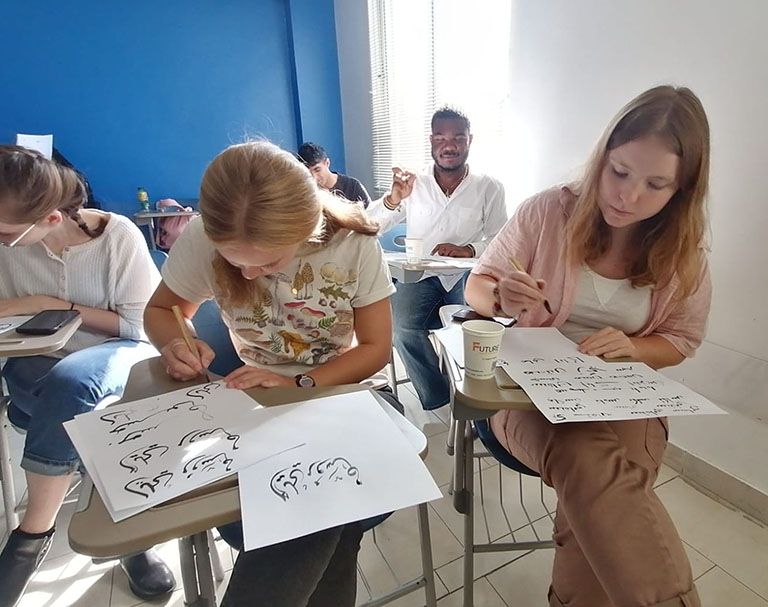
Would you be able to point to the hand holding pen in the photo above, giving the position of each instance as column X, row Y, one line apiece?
column 519, row 292
column 186, row 357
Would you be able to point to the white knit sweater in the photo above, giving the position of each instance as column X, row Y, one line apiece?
column 112, row 272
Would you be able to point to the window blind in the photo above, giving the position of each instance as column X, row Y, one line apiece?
column 429, row 53
column 403, row 85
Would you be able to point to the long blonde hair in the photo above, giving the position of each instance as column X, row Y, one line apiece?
column 669, row 243
column 32, row 187
column 257, row 193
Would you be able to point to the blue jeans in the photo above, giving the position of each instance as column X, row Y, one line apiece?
column 46, row 392
column 416, row 309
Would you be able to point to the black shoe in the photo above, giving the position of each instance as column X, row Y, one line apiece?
column 19, row 560
column 148, row 575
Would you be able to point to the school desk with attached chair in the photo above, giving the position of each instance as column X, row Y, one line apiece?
column 473, row 402
column 189, row 517
column 13, row 344
column 407, row 273
column 147, row 218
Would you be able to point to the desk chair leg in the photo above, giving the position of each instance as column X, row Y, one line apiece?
column 450, row 442
column 196, row 573
column 392, row 372
column 204, row 571
column 427, row 566
column 218, row 569
column 425, row 581
column 188, row 572
column 6, row 476
column 450, row 447
column 459, row 479
column 469, row 520
column 151, row 228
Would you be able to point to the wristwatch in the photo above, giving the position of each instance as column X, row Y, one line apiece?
column 305, row 381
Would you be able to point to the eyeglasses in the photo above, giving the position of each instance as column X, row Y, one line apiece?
column 15, row 241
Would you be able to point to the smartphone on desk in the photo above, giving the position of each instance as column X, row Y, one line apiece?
column 468, row 314
column 47, row 322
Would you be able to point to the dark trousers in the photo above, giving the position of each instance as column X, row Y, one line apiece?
column 317, row 570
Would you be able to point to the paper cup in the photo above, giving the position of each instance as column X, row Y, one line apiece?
column 482, row 341
column 414, row 250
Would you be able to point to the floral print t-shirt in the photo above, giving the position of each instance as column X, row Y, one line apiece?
column 303, row 315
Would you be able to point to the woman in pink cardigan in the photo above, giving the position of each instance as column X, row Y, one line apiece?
column 619, row 257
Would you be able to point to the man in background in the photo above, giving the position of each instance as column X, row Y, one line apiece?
column 316, row 159
column 456, row 212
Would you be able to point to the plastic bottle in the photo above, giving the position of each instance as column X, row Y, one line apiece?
column 143, row 198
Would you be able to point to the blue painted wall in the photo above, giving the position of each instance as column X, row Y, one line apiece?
column 313, row 30
column 146, row 93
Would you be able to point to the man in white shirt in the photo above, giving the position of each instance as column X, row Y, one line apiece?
column 456, row 212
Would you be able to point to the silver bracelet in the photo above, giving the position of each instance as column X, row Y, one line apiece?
column 389, row 205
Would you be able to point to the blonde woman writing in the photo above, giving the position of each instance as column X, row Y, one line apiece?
column 297, row 274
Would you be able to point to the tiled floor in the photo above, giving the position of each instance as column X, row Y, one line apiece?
column 728, row 551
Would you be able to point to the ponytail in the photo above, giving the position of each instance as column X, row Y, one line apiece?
column 32, row 186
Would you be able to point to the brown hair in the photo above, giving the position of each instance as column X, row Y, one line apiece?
column 257, row 193
column 31, row 187
column 669, row 243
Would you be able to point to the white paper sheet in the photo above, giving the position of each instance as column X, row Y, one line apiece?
column 435, row 262
column 355, row 464
column 146, row 452
column 41, row 143
column 8, row 324
column 452, row 339
column 567, row 386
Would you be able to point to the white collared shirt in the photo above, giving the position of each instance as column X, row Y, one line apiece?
column 472, row 214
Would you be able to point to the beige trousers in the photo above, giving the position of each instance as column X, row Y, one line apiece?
column 615, row 544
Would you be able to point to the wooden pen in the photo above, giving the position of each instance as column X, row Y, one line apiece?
column 188, row 338
column 519, row 268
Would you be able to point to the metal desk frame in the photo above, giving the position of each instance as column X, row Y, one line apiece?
column 147, row 218
column 474, row 399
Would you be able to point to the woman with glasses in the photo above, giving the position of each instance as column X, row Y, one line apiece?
column 57, row 255
column 16, row 240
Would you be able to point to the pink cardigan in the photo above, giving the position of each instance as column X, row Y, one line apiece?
column 535, row 236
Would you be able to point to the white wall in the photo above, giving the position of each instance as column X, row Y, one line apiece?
column 355, row 78
column 574, row 65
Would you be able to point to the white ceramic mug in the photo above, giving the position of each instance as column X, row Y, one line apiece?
column 482, row 342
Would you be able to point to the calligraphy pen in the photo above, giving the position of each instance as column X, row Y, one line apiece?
column 519, row 268
column 188, row 338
